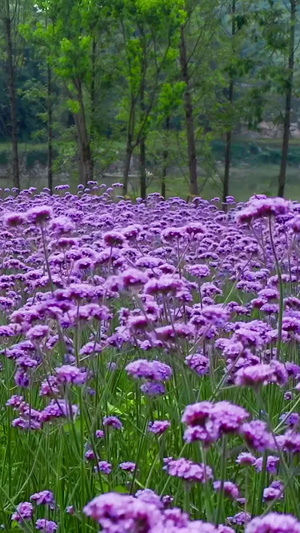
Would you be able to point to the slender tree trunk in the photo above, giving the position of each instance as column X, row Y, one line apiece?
column 229, row 133
column 93, row 95
column 165, row 161
column 189, row 117
column 143, row 177
column 129, row 148
column 127, row 162
column 50, row 128
column 288, row 103
column 12, row 99
column 86, row 167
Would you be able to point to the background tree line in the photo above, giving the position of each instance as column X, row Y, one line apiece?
column 104, row 81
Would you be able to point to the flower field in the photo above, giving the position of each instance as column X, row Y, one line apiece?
column 150, row 369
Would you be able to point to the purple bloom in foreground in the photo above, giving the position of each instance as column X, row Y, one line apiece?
column 121, row 512
column 273, row 523
column 24, row 512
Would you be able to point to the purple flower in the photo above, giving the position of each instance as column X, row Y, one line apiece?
column 133, row 277
column 61, row 225
column 149, row 496
column 153, row 389
column 24, row 512
column 113, row 238
column 90, row 455
column 264, row 207
column 207, row 421
column 159, row 426
column 187, row 470
column 257, row 435
column 246, row 459
column 262, row 374
column 229, row 488
column 104, row 467
column 128, row 466
column 274, row 491
column 239, row 519
column 99, row 434
column 273, row 523
column 112, row 421
column 58, row 408
column 271, row 466
column 21, row 378
column 199, row 271
column 154, row 370
column 290, row 419
column 120, row 512
column 37, row 332
column 45, row 497
column 13, row 220
column 199, row 363
column 67, row 374
column 39, row 214
column 47, row 526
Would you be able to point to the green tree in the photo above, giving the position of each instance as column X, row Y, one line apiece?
column 149, row 32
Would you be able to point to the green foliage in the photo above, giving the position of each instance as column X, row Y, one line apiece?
column 116, row 66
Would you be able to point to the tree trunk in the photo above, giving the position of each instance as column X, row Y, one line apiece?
column 229, row 133
column 127, row 162
column 129, row 148
column 288, row 103
column 12, row 100
column 86, row 167
column 189, row 118
column 93, row 96
column 50, row 129
column 143, row 177
column 165, row 161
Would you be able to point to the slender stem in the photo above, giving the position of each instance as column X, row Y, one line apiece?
column 223, row 475
column 281, row 292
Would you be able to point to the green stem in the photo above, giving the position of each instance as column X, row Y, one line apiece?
column 223, row 475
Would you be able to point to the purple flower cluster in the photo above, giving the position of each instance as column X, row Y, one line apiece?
column 89, row 283
column 145, row 513
column 207, row 422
